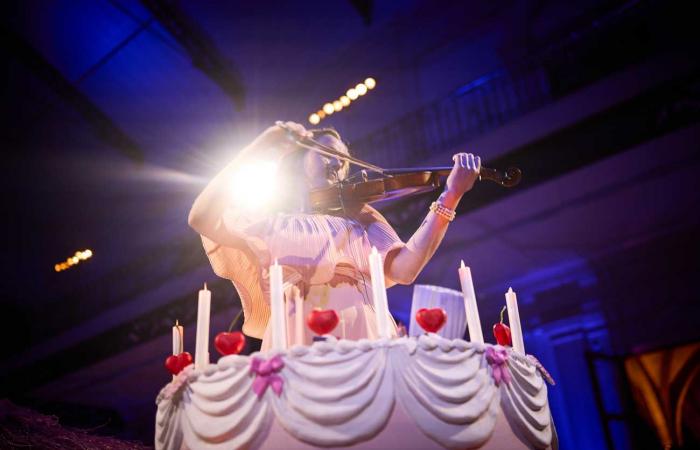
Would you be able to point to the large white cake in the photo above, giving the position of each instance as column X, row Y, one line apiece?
column 408, row 393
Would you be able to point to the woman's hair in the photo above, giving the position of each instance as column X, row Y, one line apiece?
column 326, row 132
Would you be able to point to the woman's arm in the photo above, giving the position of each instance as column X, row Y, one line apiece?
column 206, row 215
column 404, row 265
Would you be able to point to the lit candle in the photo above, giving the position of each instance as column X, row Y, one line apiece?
column 470, row 307
column 298, row 316
column 381, row 304
column 516, row 330
column 277, row 310
column 201, row 352
column 178, row 336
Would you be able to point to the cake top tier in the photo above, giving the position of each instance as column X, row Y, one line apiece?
column 338, row 393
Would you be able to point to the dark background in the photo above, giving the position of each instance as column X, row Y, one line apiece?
column 115, row 113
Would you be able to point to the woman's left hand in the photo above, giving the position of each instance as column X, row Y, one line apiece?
column 461, row 179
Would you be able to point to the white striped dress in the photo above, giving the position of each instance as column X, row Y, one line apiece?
column 325, row 256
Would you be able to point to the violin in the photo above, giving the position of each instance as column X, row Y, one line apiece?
column 384, row 184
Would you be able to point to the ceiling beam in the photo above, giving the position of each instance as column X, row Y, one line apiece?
column 103, row 126
column 200, row 48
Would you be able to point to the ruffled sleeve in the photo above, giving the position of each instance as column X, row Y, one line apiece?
column 381, row 235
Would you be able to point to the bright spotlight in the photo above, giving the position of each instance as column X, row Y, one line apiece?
column 352, row 94
column 337, row 106
column 314, row 119
column 328, row 108
column 246, row 188
column 370, row 83
column 361, row 89
column 344, row 100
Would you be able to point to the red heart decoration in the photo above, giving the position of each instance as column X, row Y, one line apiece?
column 431, row 320
column 501, row 332
column 172, row 364
column 228, row 343
column 175, row 363
column 322, row 321
column 185, row 359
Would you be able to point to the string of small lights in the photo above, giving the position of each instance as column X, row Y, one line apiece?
column 344, row 101
column 73, row 260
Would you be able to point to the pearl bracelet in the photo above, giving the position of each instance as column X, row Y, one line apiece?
column 443, row 211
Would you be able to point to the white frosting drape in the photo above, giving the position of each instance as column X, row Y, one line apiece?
column 341, row 393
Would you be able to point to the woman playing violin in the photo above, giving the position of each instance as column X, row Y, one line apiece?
column 325, row 255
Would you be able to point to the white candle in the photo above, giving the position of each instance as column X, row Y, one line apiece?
column 298, row 317
column 516, row 331
column 381, row 304
column 277, row 310
column 201, row 352
column 178, row 336
column 470, row 307
column 288, row 324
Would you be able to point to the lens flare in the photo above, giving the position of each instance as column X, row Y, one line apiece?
column 248, row 191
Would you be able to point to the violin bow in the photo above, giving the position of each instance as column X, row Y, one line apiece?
column 314, row 145
column 507, row 178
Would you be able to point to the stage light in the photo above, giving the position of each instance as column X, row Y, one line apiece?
column 344, row 100
column 254, row 185
column 72, row 260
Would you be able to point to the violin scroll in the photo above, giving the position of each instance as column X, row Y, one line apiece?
column 513, row 177
column 507, row 178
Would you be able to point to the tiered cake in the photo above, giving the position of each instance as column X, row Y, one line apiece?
column 409, row 393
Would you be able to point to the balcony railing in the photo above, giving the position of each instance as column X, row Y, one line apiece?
column 621, row 37
column 480, row 106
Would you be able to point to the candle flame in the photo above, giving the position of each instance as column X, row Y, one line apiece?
column 510, row 290
column 462, row 264
column 177, row 323
column 374, row 250
column 205, row 285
